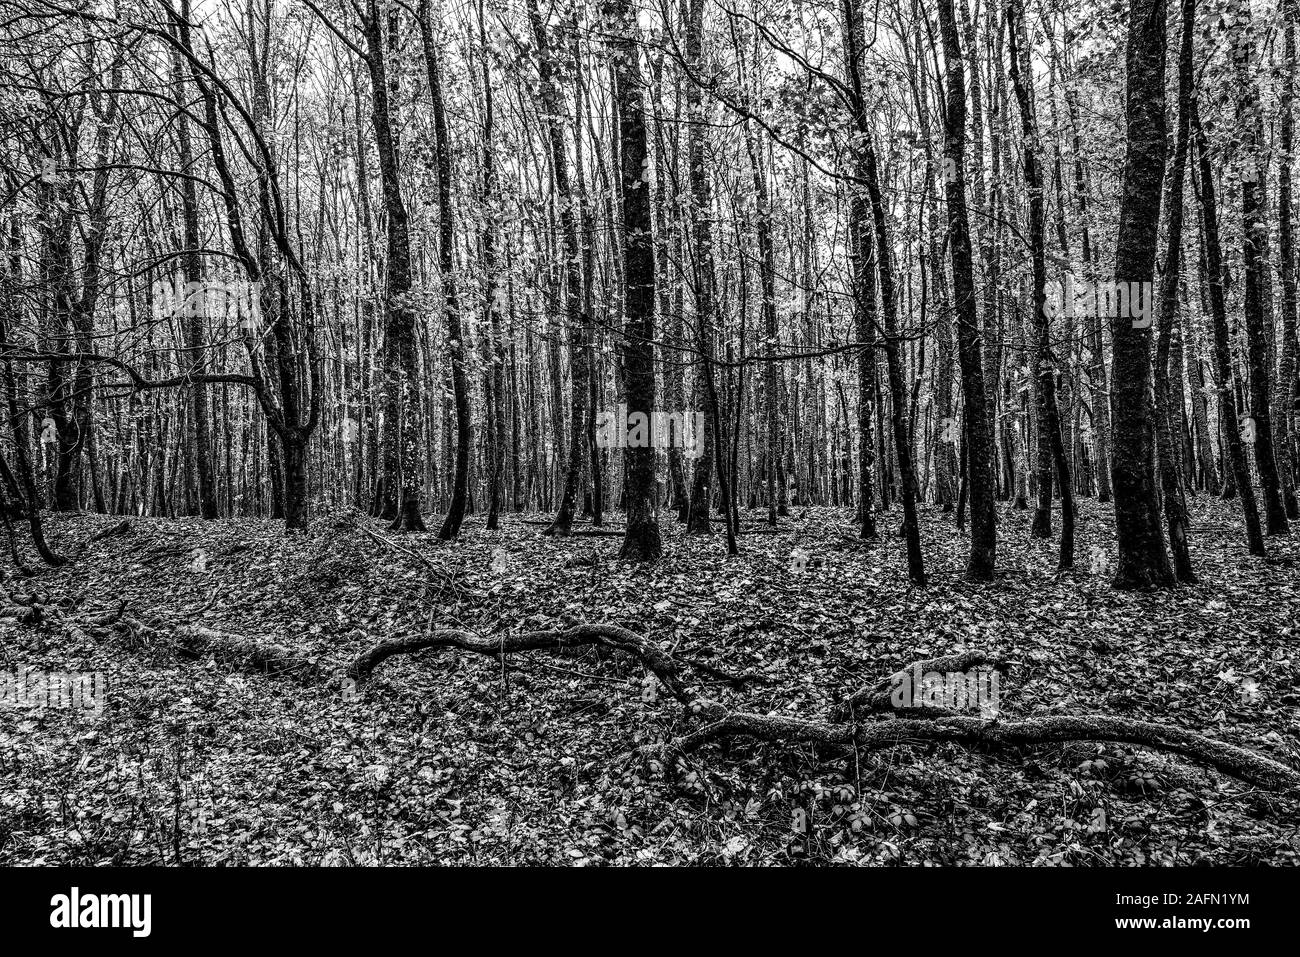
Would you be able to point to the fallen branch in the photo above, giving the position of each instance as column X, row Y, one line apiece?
column 113, row 531
column 247, row 653
column 121, row 528
column 1229, row 758
column 197, row 641
column 735, row 679
column 447, row 580
column 609, row 636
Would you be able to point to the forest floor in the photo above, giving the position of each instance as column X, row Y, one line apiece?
column 451, row 757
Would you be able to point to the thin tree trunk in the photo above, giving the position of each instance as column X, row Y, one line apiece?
column 1051, row 447
column 1236, row 454
column 977, row 431
column 1172, row 489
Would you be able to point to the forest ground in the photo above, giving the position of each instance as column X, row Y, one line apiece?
column 447, row 757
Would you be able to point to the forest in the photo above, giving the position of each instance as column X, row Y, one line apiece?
column 648, row 431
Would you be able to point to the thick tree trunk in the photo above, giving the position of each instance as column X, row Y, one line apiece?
column 295, row 482
column 403, row 451
column 10, row 312
column 494, row 378
column 459, row 502
column 767, row 289
column 195, row 313
column 894, row 362
column 862, row 251
column 1143, row 560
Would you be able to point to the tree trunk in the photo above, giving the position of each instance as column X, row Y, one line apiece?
column 1236, row 454
column 1051, row 447
column 1284, row 390
column 1143, row 560
column 195, row 312
column 701, row 213
column 456, row 508
column 977, row 431
column 1167, row 314
column 577, row 321
column 641, row 538
column 1254, row 214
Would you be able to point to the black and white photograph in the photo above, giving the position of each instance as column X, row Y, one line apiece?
column 466, row 443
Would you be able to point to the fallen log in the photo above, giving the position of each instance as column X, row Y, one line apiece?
column 23, row 614
column 249, row 654
column 197, row 641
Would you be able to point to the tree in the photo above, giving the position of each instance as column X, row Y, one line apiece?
column 403, row 449
column 577, row 321
column 459, row 503
column 1223, row 375
column 641, row 538
column 977, row 429
column 1170, row 484
column 1143, row 560
column 1257, row 295
column 1051, row 450
column 701, row 214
